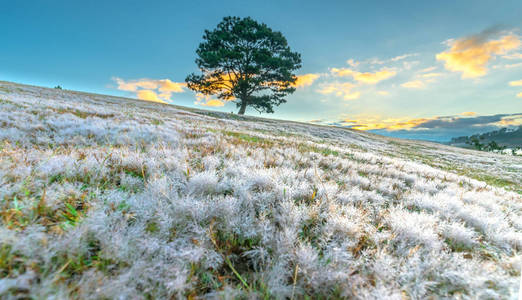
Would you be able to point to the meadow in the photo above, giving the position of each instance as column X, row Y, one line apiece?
column 107, row 197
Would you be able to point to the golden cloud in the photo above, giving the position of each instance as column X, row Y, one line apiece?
column 470, row 55
column 148, row 95
column 383, row 93
column 213, row 103
column 367, row 77
column 466, row 119
column 207, row 100
column 132, row 86
column 340, row 90
column 157, row 90
column 515, row 83
column 414, row 84
column 166, row 85
column 306, row 80
column 513, row 120
column 376, row 122
column 519, row 95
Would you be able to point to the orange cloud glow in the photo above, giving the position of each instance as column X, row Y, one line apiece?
column 470, row 55
column 166, row 85
column 514, row 120
column 207, row 100
column 466, row 119
column 306, row 80
column 376, row 122
column 157, row 90
column 148, row 95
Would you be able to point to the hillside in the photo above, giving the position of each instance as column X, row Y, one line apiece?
column 505, row 137
column 107, row 197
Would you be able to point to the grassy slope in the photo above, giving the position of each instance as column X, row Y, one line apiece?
column 105, row 196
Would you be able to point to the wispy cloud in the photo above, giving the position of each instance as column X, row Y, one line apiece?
column 513, row 56
column 470, row 55
column 352, row 63
column 401, row 57
column 431, row 75
column 206, row 100
column 376, row 61
column 516, row 83
column 511, row 66
column 414, row 84
column 428, row 69
column 340, row 90
column 366, row 77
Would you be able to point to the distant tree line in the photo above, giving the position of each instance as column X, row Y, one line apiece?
column 498, row 140
column 492, row 145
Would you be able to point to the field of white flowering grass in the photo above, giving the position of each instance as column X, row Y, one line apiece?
column 106, row 197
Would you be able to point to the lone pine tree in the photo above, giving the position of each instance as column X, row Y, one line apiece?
column 246, row 62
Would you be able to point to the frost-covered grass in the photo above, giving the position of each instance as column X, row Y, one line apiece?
column 103, row 197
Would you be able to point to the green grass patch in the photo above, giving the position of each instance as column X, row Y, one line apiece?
column 81, row 114
column 248, row 138
column 11, row 263
column 304, row 148
column 5, row 90
column 156, row 122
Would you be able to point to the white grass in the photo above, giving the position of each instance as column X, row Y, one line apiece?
column 103, row 197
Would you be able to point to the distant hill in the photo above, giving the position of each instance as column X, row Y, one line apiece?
column 503, row 138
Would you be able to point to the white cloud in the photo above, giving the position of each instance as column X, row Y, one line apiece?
column 340, row 90
column 414, row 84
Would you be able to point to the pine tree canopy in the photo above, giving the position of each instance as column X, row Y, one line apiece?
column 246, row 62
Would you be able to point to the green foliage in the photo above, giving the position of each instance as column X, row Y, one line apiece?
column 474, row 141
column 247, row 61
column 10, row 262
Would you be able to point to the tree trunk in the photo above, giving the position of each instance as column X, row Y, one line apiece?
column 243, row 107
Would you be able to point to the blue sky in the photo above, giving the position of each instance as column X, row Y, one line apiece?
column 415, row 69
